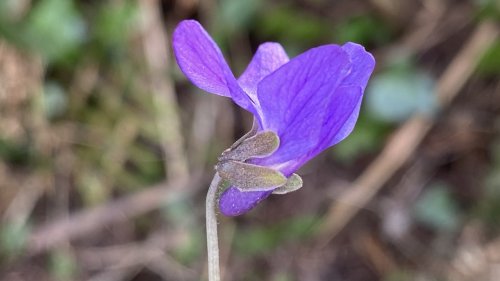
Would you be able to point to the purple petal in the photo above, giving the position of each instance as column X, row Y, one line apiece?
column 233, row 202
column 202, row 62
column 341, row 118
column 344, row 106
column 363, row 64
column 269, row 57
column 294, row 99
column 297, row 95
column 200, row 59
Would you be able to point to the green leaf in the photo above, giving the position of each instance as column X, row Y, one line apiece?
column 489, row 64
column 264, row 239
column 363, row 30
column 292, row 27
column 367, row 136
column 115, row 23
column 399, row 92
column 236, row 15
column 55, row 100
column 488, row 9
column 54, row 28
column 63, row 265
column 437, row 209
column 13, row 237
column 488, row 206
column 16, row 153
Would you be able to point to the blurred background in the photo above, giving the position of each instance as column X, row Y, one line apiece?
column 106, row 150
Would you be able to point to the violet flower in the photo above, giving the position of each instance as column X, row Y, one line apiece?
column 311, row 102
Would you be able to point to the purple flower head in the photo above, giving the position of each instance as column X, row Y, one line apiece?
column 311, row 101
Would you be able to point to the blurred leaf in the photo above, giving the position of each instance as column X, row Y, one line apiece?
column 283, row 276
column 115, row 23
column 192, row 249
column 399, row 276
column 488, row 207
column 362, row 29
column 367, row 136
column 62, row 265
column 13, row 237
column 399, row 92
column 263, row 239
column 148, row 164
column 54, row 28
column 488, row 9
column 437, row 209
column 91, row 187
column 15, row 153
column 236, row 15
column 282, row 24
column 55, row 101
column 490, row 61
column 179, row 211
column 10, row 9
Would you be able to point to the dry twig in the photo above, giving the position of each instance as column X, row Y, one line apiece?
column 157, row 58
column 87, row 221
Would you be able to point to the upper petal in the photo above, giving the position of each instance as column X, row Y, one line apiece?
column 294, row 99
column 269, row 57
column 202, row 62
column 200, row 59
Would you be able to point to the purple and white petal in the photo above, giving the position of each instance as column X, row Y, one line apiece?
column 201, row 60
column 343, row 111
column 269, row 57
column 294, row 99
column 362, row 62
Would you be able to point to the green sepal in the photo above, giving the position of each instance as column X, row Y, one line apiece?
column 249, row 177
column 260, row 145
column 293, row 183
column 251, row 133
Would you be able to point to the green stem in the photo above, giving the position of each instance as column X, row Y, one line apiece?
column 212, row 239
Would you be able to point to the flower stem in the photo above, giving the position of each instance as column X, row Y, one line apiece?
column 212, row 239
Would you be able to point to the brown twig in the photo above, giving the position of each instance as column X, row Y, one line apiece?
column 88, row 221
column 124, row 259
column 167, row 118
column 406, row 139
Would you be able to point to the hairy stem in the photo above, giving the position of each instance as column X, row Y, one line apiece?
column 212, row 239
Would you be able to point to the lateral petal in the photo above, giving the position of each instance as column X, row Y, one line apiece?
column 201, row 60
column 269, row 57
